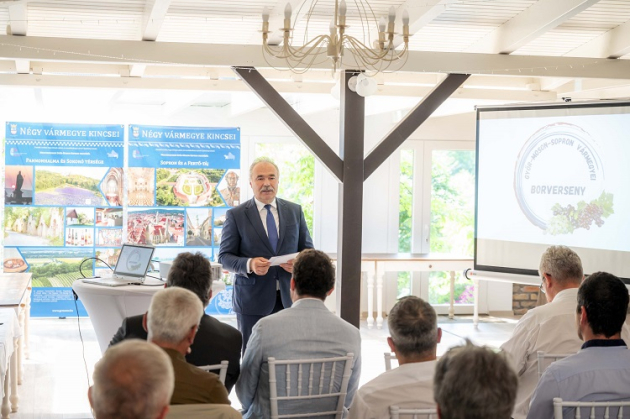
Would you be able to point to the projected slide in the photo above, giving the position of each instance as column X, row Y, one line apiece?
column 556, row 175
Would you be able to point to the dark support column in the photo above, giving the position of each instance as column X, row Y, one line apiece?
column 412, row 121
column 351, row 147
column 292, row 120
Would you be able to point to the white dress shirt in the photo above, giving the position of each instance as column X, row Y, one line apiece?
column 263, row 217
column 550, row 328
column 408, row 386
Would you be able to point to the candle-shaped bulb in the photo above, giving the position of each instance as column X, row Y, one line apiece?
column 342, row 8
column 405, row 17
column 392, row 14
column 287, row 11
column 381, row 24
column 265, row 14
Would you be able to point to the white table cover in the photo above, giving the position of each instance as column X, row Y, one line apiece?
column 108, row 306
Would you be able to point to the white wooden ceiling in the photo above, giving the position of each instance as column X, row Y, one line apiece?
column 578, row 48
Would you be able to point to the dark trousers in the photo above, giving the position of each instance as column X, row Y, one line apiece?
column 246, row 322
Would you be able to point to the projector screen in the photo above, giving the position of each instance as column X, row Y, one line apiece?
column 551, row 175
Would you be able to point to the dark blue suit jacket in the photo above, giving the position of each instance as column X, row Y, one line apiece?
column 244, row 237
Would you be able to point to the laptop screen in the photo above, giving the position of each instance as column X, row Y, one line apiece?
column 133, row 260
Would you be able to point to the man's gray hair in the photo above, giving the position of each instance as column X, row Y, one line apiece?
column 134, row 379
column 172, row 313
column 473, row 382
column 562, row 263
column 263, row 160
column 413, row 326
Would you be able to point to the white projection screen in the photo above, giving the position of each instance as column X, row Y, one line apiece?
column 551, row 175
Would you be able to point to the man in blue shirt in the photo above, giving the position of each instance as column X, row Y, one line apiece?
column 600, row 371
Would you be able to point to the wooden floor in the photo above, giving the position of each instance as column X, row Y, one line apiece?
column 61, row 363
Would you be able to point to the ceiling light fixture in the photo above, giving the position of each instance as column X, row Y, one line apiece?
column 343, row 49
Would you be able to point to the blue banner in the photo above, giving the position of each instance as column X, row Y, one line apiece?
column 64, row 144
column 63, row 198
column 184, row 147
column 55, row 302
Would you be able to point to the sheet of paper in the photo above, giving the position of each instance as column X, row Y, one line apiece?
column 275, row 261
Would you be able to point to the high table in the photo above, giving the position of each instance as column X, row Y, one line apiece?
column 15, row 302
column 108, row 306
column 376, row 264
column 10, row 332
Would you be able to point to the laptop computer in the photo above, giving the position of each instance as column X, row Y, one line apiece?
column 131, row 268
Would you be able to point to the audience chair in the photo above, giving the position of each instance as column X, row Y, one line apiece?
column 388, row 360
column 202, row 411
column 542, row 356
column 603, row 408
column 306, row 385
column 222, row 368
column 396, row 412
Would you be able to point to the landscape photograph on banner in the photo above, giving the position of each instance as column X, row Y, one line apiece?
column 190, row 188
column 33, row 226
column 140, row 186
column 57, row 267
column 199, row 226
column 69, row 186
column 18, row 185
column 156, row 226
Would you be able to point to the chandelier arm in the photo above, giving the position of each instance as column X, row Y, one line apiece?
column 364, row 51
column 303, row 51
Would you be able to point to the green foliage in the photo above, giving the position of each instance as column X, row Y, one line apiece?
column 50, row 270
column 50, row 180
column 164, row 196
column 405, row 206
column 162, row 174
column 297, row 174
column 452, row 202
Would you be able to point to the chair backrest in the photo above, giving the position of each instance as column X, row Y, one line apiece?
column 542, row 357
column 220, row 369
column 603, row 407
column 202, row 411
column 388, row 360
column 395, row 412
column 306, row 381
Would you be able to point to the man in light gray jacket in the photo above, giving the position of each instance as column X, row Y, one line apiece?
column 306, row 330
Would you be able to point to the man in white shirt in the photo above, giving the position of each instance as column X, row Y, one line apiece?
column 549, row 328
column 601, row 370
column 414, row 337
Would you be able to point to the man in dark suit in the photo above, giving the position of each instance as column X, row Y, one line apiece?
column 254, row 232
column 215, row 341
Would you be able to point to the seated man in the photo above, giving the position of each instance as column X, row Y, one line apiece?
column 215, row 341
column 306, row 330
column 414, row 338
column 132, row 380
column 600, row 371
column 549, row 328
column 473, row 382
column 172, row 322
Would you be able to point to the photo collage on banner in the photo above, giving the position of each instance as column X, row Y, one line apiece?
column 63, row 203
column 181, row 182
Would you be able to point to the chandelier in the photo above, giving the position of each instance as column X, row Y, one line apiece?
column 341, row 48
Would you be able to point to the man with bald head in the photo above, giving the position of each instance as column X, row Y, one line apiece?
column 254, row 232
column 132, row 380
